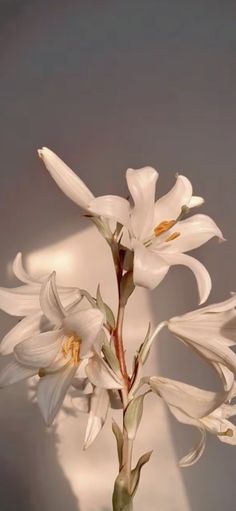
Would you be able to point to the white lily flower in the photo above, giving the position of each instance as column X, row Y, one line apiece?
column 200, row 408
column 159, row 236
column 56, row 355
column 24, row 300
column 211, row 331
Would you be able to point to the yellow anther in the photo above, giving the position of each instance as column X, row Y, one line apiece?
column 72, row 347
column 229, row 432
column 163, row 227
column 173, row 236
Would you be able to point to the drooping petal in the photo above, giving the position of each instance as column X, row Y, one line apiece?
column 12, row 372
column 192, row 233
column 40, row 350
column 66, row 179
column 101, row 375
column 149, row 267
column 191, row 400
column 87, row 325
column 30, row 325
column 169, row 206
column 50, row 301
column 196, row 452
column 20, row 301
column 228, row 304
column 21, row 273
column 201, row 274
column 51, row 392
column 142, row 186
column 97, row 416
column 113, row 207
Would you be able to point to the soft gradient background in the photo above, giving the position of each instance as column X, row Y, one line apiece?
column 107, row 85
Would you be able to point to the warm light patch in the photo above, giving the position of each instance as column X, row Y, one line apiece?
column 72, row 347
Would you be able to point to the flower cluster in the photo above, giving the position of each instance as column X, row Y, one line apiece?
column 68, row 338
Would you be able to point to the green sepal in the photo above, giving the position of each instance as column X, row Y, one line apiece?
column 119, row 440
column 133, row 416
column 135, row 473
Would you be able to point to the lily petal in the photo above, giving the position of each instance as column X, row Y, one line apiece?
column 101, row 375
column 30, row 325
column 40, row 350
column 191, row 400
column 142, row 186
column 66, row 179
column 50, row 301
column 51, row 392
column 20, row 301
column 12, row 372
column 169, row 206
column 195, row 201
column 87, row 325
column 21, row 273
column 97, row 416
column 149, row 267
column 193, row 232
column 201, row 274
column 113, row 207
column 196, row 452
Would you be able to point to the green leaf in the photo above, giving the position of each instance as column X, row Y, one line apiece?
column 133, row 416
column 126, row 287
column 119, row 440
column 143, row 352
column 121, row 499
column 128, row 261
column 136, row 472
column 111, row 358
column 105, row 309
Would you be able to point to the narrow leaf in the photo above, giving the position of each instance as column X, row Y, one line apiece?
column 126, row 287
column 133, row 416
column 111, row 358
column 135, row 473
column 119, row 440
column 121, row 499
column 107, row 312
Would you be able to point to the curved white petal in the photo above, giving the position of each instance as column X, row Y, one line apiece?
column 20, row 301
column 101, row 375
column 87, row 325
column 149, row 267
column 193, row 232
column 196, row 452
column 40, row 350
column 169, row 206
column 12, row 372
column 97, row 416
column 66, row 179
column 142, row 186
column 113, row 207
column 50, row 301
column 193, row 401
column 30, row 325
column 21, row 273
column 195, row 201
column 201, row 274
column 51, row 392
column 228, row 304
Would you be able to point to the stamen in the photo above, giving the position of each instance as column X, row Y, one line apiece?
column 163, row 227
column 72, row 347
column 229, row 432
column 173, row 236
column 41, row 372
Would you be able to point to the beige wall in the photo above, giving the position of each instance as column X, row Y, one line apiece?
column 109, row 85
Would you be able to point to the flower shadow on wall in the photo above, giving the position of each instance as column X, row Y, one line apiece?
column 69, row 258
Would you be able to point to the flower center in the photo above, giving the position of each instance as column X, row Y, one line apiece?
column 164, row 227
column 71, row 347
